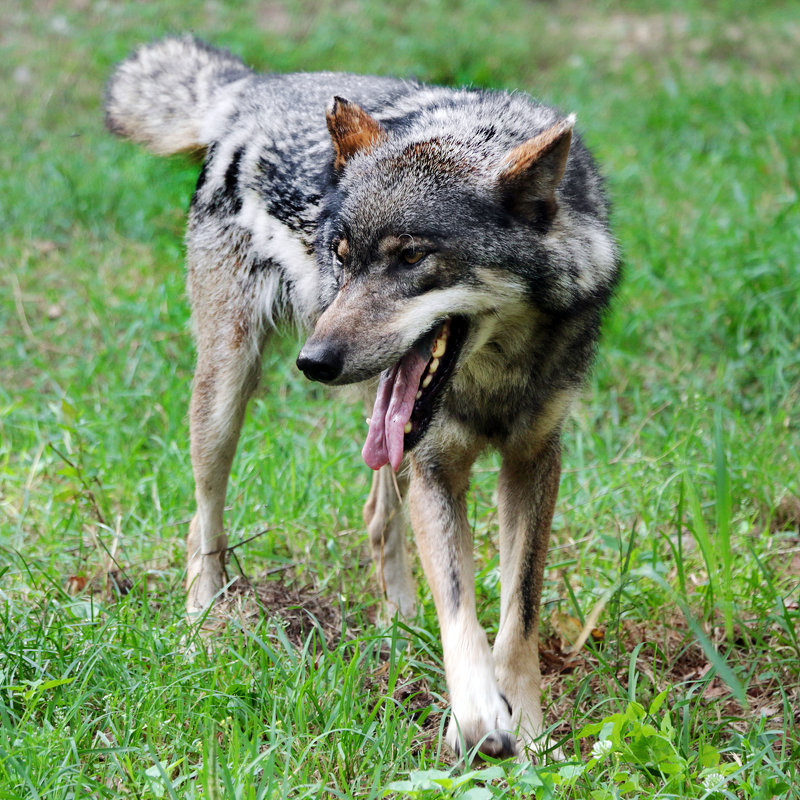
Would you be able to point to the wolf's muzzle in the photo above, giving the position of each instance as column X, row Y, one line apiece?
column 320, row 362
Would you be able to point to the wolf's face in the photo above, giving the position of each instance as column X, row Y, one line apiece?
column 411, row 240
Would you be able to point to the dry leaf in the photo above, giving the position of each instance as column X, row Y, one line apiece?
column 567, row 627
column 76, row 584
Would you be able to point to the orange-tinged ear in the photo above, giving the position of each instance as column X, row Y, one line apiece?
column 352, row 130
column 531, row 172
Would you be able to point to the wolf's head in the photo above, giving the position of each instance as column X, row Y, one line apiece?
column 431, row 241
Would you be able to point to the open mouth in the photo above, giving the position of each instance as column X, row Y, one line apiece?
column 408, row 394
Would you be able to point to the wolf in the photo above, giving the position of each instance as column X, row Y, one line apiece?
column 449, row 250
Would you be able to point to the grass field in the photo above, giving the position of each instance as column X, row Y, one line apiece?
column 679, row 501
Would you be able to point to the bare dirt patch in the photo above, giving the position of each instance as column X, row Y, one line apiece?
column 300, row 610
column 786, row 515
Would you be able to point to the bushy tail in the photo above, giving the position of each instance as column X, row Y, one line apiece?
column 164, row 94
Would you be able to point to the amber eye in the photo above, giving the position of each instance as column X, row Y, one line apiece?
column 341, row 249
column 413, row 256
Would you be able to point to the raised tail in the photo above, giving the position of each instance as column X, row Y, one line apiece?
column 166, row 95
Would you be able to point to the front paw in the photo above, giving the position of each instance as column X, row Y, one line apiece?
column 521, row 686
column 482, row 719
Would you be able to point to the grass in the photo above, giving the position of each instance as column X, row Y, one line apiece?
column 678, row 500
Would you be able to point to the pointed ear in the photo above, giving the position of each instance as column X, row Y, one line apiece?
column 352, row 130
column 531, row 172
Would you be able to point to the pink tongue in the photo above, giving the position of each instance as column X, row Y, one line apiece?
column 394, row 403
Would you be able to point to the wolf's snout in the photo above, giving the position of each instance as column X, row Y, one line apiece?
column 320, row 362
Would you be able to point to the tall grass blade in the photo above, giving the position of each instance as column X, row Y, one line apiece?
column 703, row 538
column 722, row 538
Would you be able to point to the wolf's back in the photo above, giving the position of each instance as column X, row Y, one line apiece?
column 166, row 94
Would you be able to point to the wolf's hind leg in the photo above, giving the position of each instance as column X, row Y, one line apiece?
column 527, row 489
column 227, row 373
column 386, row 525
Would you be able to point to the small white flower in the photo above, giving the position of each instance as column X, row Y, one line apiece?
column 713, row 782
column 601, row 749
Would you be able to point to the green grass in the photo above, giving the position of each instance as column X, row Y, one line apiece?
column 680, row 464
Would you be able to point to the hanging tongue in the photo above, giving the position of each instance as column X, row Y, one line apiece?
column 394, row 403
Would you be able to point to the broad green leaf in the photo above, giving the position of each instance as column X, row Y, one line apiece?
column 475, row 793
column 709, row 756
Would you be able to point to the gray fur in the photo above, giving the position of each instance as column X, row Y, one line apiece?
column 409, row 207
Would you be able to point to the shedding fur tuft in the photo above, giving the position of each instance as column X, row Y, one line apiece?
column 165, row 95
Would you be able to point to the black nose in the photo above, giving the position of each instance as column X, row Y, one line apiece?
column 320, row 362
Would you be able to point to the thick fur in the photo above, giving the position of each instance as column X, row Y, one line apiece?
column 371, row 212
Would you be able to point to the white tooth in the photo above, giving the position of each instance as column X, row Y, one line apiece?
column 368, row 421
column 433, row 366
column 427, row 382
column 439, row 346
column 408, row 427
column 419, row 394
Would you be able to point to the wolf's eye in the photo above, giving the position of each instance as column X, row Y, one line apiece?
column 341, row 249
column 412, row 256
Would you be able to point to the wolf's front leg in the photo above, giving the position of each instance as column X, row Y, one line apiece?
column 437, row 501
column 527, row 490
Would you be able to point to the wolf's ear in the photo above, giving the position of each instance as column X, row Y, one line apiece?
column 531, row 172
column 352, row 130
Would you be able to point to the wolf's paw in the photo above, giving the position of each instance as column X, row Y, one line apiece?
column 205, row 579
column 522, row 690
column 482, row 719
column 402, row 604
